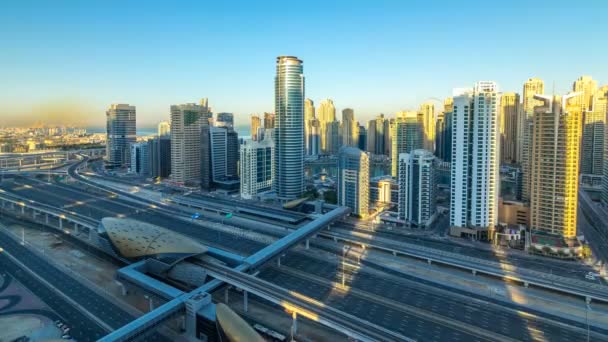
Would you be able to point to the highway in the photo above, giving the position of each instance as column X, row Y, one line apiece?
column 384, row 313
column 82, row 328
column 318, row 311
column 94, row 303
column 382, row 298
column 562, row 268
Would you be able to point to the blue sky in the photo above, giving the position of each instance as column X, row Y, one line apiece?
column 73, row 58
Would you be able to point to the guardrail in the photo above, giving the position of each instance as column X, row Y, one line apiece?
column 475, row 265
column 353, row 326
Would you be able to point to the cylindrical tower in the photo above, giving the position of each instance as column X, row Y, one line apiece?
column 289, row 128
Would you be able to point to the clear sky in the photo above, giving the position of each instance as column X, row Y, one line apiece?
column 71, row 59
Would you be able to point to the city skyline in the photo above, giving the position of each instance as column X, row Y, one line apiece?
column 73, row 76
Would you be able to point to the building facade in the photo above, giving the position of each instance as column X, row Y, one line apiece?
column 140, row 159
column 353, row 180
column 532, row 87
column 408, row 135
column 160, row 157
column 255, row 126
column 554, row 165
column 289, row 128
column 348, row 128
column 427, row 118
column 475, row 161
column 224, row 120
column 309, row 118
column 417, row 187
column 509, row 116
column 187, row 122
column 326, row 113
column 256, row 167
column 121, row 133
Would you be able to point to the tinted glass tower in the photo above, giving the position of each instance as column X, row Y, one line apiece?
column 289, row 128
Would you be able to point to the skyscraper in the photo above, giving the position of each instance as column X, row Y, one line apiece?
column 408, row 135
column 348, row 128
column 160, row 156
column 224, row 153
column 371, row 136
column 475, row 161
column 427, row 118
column 164, row 129
column 554, row 165
column 379, row 135
column 586, row 87
column 257, row 167
column 362, row 140
column 120, row 130
column 269, row 120
column 532, row 87
column 444, row 150
column 309, row 117
column 187, row 121
column 326, row 113
column 592, row 141
column 417, row 183
column 353, row 180
column 289, row 128
column 255, row 125
column 224, row 120
column 140, row 158
column 509, row 115
column 334, row 139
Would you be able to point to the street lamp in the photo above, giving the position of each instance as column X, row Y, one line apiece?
column 344, row 251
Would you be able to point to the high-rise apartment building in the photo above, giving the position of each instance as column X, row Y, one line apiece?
column 255, row 125
column 289, row 128
column 554, row 165
column 353, row 180
column 349, row 128
column 417, row 184
column 309, row 117
column 326, row 113
column 408, row 135
column 187, row 122
column 371, row 137
column 269, row 120
column 601, row 102
column 224, row 146
column 160, row 156
column 475, row 160
column 509, row 117
column 389, row 132
column 586, row 87
column 362, row 139
column 256, row 167
column 444, row 149
column 379, row 135
column 592, row 140
column 314, row 138
column 532, row 87
column 333, row 138
column 121, row 133
column 427, row 118
column 140, row 158
column 164, row 129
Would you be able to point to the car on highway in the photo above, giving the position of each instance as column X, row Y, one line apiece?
column 66, row 337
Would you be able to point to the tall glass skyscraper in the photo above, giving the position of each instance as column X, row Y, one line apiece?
column 120, row 129
column 289, row 128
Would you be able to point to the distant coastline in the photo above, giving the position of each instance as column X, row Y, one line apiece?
column 243, row 131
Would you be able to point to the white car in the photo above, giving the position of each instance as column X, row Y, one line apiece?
column 590, row 276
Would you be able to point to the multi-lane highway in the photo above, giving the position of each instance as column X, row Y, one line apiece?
column 315, row 277
column 85, row 328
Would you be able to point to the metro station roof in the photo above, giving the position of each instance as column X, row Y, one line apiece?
column 135, row 239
